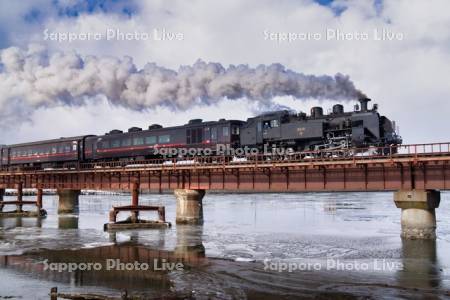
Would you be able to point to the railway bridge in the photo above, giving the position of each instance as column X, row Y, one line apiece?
column 416, row 173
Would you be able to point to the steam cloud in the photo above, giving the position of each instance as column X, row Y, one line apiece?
column 36, row 78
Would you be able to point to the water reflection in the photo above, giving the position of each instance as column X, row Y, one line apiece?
column 329, row 207
column 10, row 223
column 239, row 233
column 420, row 264
column 190, row 242
column 123, row 265
column 68, row 222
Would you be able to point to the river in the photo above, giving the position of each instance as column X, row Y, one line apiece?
column 251, row 246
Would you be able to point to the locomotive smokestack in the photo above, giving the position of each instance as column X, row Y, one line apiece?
column 316, row 112
column 364, row 102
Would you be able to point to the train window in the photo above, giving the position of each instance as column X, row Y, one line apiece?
column 199, row 135
column 235, row 130
column 126, row 142
column 207, row 133
column 274, row 123
column 188, row 136
column 115, row 143
column 150, row 140
column 225, row 131
column 266, row 124
column 138, row 141
column 214, row 133
column 61, row 149
column 30, row 152
column 67, row 148
column 54, row 150
column 164, row 138
column 105, row 144
column 259, row 126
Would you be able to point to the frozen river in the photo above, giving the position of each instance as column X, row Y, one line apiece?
column 255, row 246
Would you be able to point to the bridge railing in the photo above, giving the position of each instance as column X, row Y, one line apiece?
column 304, row 156
column 324, row 155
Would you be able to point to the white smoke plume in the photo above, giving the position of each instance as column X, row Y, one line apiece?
column 36, row 78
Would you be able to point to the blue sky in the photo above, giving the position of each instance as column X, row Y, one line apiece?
column 324, row 2
column 123, row 7
column 36, row 14
column 94, row 6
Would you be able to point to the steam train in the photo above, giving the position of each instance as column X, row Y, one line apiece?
column 338, row 129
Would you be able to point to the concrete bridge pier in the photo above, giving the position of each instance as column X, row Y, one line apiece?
column 189, row 206
column 68, row 201
column 418, row 212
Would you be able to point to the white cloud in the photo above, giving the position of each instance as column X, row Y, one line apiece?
column 408, row 78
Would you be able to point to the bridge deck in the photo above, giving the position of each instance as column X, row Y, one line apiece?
column 422, row 166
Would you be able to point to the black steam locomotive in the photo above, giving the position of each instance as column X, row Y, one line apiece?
column 362, row 127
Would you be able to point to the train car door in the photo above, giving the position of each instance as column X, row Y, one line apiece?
column 5, row 156
column 214, row 134
column 80, row 152
column 194, row 136
column 259, row 132
column 189, row 136
column 94, row 147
